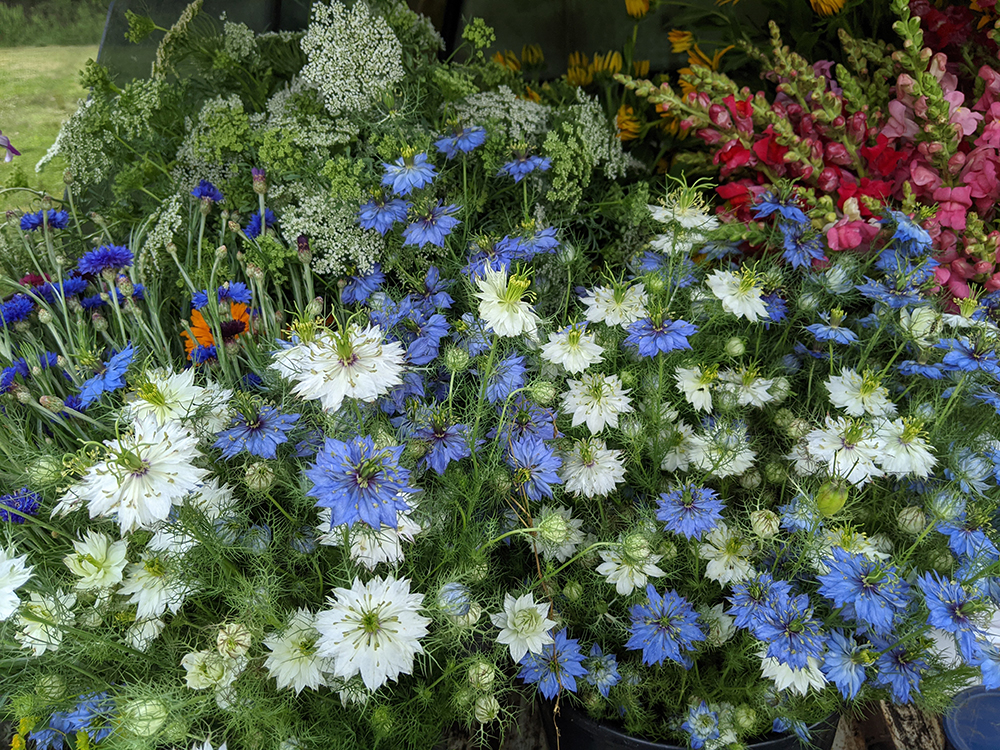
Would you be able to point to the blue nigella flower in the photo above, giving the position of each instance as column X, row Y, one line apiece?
column 495, row 256
column 394, row 402
column 826, row 331
column 259, row 434
column 303, row 540
column 872, row 587
column 913, row 238
column 910, row 368
column 970, row 469
column 964, row 538
column 664, row 628
column 768, row 203
column 380, row 214
column 93, row 714
column 55, row 220
column 790, row 631
column 690, row 510
column 422, row 333
column 989, row 665
column 950, row 610
column 701, row 724
column 507, row 377
column 206, row 191
column 844, row 664
column 534, row 464
column 434, row 295
column 360, row 288
column 557, row 667
column 408, row 173
column 524, row 417
column 602, row 670
column 253, row 227
column 228, row 528
column 540, row 241
column 899, row 668
column 463, row 140
column 448, row 442
column 359, row 482
column 965, row 356
column 470, row 334
column 431, row 227
column 801, row 514
column 256, row 539
column 753, row 596
column 16, row 309
column 662, row 337
column 111, row 379
column 784, row 725
column 106, row 257
column 776, row 306
column 895, row 298
column 18, row 504
column 524, row 164
column 455, row 599
column 53, row 736
column 802, row 244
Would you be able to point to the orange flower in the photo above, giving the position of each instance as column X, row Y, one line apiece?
column 637, row 8
column 698, row 59
column 531, row 94
column 827, row 7
column 680, row 41
column 640, row 68
column 628, row 124
column 507, row 59
column 232, row 329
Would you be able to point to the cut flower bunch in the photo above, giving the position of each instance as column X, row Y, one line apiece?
column 710, row 481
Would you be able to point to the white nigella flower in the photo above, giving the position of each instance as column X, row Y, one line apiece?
column 573, row 348
column 678, row 448
column 293, row 661
column 786, row 677
column 721, row 448
column 141, row 633
column 747, row 385
column 524, row 625
column 502, row 306
column 13, row 575
column 631, row 565
column 672, row 242
column 167, row 396
column 155, row 585
column 727, row 553
column 597, row 400
column 904, row 449
column 847, row 448
column 368, row 546
column 210, row 669
column 48, row 616
column 920, row 323
column 558, row 533
column 616, row 306
column 739, row 293
column 214, row 409
column 144, row 474
column 590, row 469
column 859, row 395
column 686, row 208
column 97, row 561
column 695, row 384
column 355, row 363
column 720, row 625
column 372, row 629
column 211, row 498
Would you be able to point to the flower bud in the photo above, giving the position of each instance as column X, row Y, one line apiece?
column 233, row 640
column 881, row 543
column 221, row 252
column 831, row 498
column 456, row 359
column 554, row 529
column 486, row 709
column 765, row 523
column 799, row 428
column 808, row 302
column 735, row 347
column 45, row 316
column 259, row 476
column 745, row 717
column 780, row 389
column 259, row 181
column 481, row 675
column 667, row 550
column 750, row 479
column 142, row 717
column 51, row 687
column 304, row 251
column 635, row 546
column 783, row 418
column 542, row 391
column 469, row 620
column 315, row 307
column 53, row 404
column 943, row 561
column 453, row 598
column 45, row 471
column 573, row 591
column 911, row 520
column 774, row 472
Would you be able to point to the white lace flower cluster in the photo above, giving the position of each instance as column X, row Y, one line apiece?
column 338, row 243
column 518, row 120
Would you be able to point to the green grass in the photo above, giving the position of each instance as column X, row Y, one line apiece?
column 40, row 88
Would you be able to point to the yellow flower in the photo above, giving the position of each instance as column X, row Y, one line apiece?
column 507, row 59
column 578, row 71
column 698, row 59
column 628, row 124
column 680, row 41
column 637, row 8
column 640, row 68
column 827, row 7
column 609, row 63
column 531, row 94
column 531, row 54
column 17, row 742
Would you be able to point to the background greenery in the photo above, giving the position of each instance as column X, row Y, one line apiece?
column 37, row 23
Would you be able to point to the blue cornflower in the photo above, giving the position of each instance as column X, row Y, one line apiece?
column 202, row 354
column 16, row 309
column 359, row 482
column 844, row 664
column 602, row 670
column 93, row 714
column 71, row 286
column 408, row 173
column 360, row 288
column 434, row 295
column 235, row 292
column 534, row 464
column 802, row 244
column 55, row 220
column 910, row 368
column 872, row 587
column 650, row 338
column 431, row 227
column 106, row 257
column 801, row 514
column 753, row 596
column 965, row 356
column 664, row 628
column 913, row 237
column 950, row 610
column 690, row 510
column 463, row 140
column 455, row 599
column 259, row 433
column 380, row 214
column 507, row 377
column 524, row 164
column 790, row 631
column 898, row 668
column 470, row 334
column 253, row 227
column 827, row 331
column 448, row 442
column 702, row 724
column 206, row 191
column 18, row 504
column 53, row 736
column 970, row 469
column 897, row 299
column 784, row 725
column 111, row 379
column 557, row 667
column 768, row 204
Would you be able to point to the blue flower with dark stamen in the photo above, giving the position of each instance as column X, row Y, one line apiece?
column 965, row 538
column 258, row 434
column 602, row 670
column 802, row 244
column 507, row 377
column 524, row 164
column 111, row 379
column 431, row 227
column 18, row 504
column 900, row 668
column 792, row 633
column 408, row 173
column 557, row 667
column 434, row 295
column 665, row 627
column 701, row 724
column 106, row 257
column 753, row 596
column 910, row 368
column 448, row 442
column 951, row 609
column 690, row 510
column 825, row 332
column 463, row 140
column 872, row 587
column 360, row 288
column 650, row 338
column 768, row 204
column 534, row 464
column 93, row 714
column 380, row 214
column 844, row 664
column 965, row 356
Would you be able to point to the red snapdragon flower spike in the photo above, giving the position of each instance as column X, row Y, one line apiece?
column 881, row 158
column 878, row 189
column 980, row 174
column 740, row 196
column 742, row 112
column 770, row 152
column 733, row 156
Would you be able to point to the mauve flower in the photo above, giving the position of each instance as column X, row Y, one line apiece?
column 900, row 124
column 991, row 131
column 10, row 151
column 924, row 178
column 742, row 112
column 980, row 174
column 850, row 235
column 962, row 117
column 953, row 205
column 991, row 94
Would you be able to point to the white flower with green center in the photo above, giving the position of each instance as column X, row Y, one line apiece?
column 43, row 619
column 846, row 448
column 786, row 677
column 746, row 384
column 97, row 561
column 373, row 629
column 696, row 385
column 904, row 448
column 631, row 565
column 860, row 394
column 294, row 661
column 573, row 348
column 590, row 469
column 727, row 554
column 167, row 396
column 597, row 400
column 617, row 305
column 739, row 293
column 524, row 625
column 13, row 575
column 502, row 304
column 210, row 669
column 558, row 533
column 155, row 584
